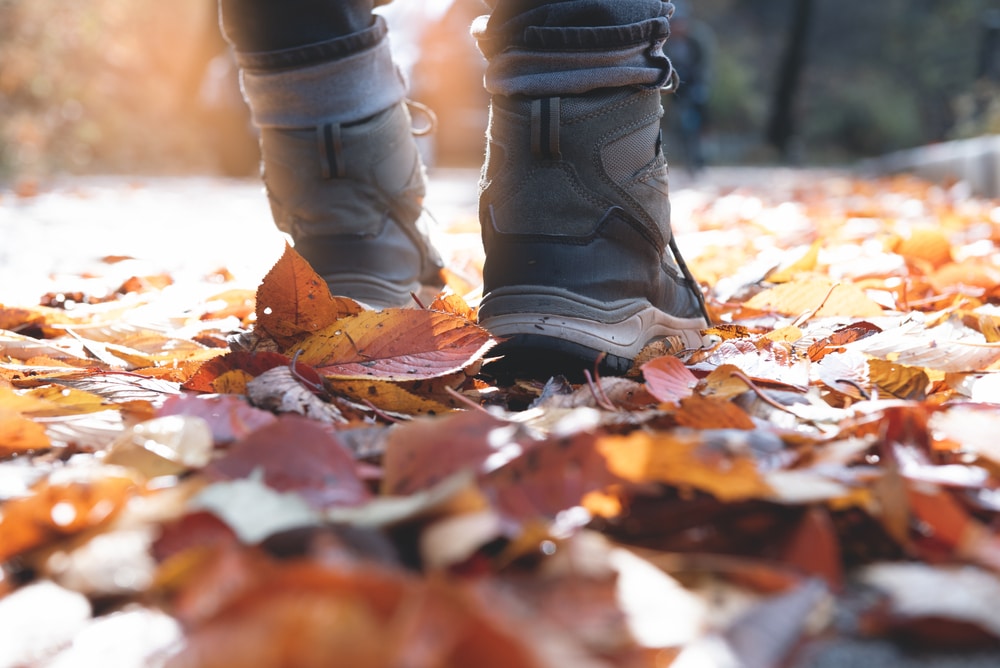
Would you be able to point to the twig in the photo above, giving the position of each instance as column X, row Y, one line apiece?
column 599, row 395
column 802, row 319
column 381, row 413
column 760, row 393
column 857, row 386
column 317, row 389
column 465, row 400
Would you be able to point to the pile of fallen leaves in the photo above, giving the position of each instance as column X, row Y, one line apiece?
column 284, row 477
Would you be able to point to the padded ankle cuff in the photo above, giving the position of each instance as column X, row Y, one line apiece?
column 339, row 91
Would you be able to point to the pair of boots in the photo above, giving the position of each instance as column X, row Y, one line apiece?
column 580, row 264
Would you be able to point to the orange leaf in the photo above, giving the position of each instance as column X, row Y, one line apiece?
column 814, row 548
column 18, row 435
column 454, row 304
column 926, row 244
column 395, row 344
column 668, row 379
column 54, row 510
column 698, row 412
column 683, row 460
column 843, row 336
column 293, row 299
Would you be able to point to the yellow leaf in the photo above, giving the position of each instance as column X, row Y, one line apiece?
column 232, row 382
column 807, row 294
column 903, row 382
column 804, row 264
column 65, row 401
column 787, row 334
column 387, row 396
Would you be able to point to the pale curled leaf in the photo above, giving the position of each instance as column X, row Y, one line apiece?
column 943, row 348
column 167, row 445
column 253, row 510
column 961, row 593
column 281, row 391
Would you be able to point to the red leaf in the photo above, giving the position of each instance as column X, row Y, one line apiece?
column 548, row 478
column 422, row 453
column 668, row 379
column 252, row 363
column 396, row 344
column 296, row 454
column 229, row 416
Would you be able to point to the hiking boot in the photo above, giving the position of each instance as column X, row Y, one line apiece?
column 580, row 259
column 351, row 197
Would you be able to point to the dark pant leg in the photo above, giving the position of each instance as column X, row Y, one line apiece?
column 274, row 25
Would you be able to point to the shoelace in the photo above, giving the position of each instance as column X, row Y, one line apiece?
column 427, row 113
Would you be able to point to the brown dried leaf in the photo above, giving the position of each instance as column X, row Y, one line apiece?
column 293, row 299
column 229, row 417
column 424, row 452
column 281, row 391
column 698, row 412
column 900, row 381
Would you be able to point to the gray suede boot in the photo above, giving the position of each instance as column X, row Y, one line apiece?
column 350, row 195
column 580, row 258
column 340, row 163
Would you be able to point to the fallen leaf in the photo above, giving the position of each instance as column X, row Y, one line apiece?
column 56, row 508
column 395, row 344
column 206, row 379
column 804, row 295
column 295, row 454
column 293, row 299
column 229, row 417
column 680, row 459
column 38, row 620
column 668, row 379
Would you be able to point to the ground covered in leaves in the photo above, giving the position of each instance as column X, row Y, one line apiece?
column 220, row 474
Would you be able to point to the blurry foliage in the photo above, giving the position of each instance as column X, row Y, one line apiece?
column 101, row 85
column 113, row 85
column 879, row 75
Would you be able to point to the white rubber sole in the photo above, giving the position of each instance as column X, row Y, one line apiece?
column 621, row 329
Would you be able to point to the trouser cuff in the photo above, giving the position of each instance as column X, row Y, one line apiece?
column 538, row 61
column 343, row 90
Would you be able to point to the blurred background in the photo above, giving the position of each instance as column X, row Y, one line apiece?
column 148, row 87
